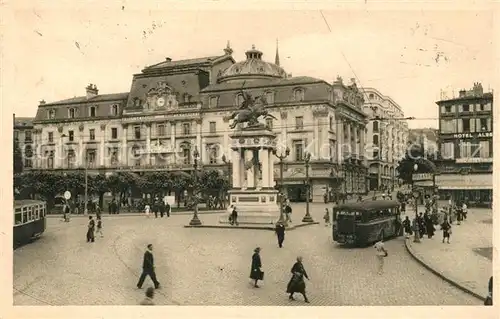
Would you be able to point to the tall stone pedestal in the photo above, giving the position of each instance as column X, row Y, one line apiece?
column 253, row 191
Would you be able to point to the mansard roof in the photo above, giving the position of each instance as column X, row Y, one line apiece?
column 84, row 99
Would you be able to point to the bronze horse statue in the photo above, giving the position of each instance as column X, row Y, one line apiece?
column 248, row 112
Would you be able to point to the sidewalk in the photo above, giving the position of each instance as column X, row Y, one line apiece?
column 467, row 261
column 127, row 214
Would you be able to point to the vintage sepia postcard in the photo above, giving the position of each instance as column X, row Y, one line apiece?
column 253, row 158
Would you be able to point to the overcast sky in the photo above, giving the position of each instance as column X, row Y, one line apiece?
column 52, row 53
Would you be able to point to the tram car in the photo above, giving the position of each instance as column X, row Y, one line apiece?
column 29, row 220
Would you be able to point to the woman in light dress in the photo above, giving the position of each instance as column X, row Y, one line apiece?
column 147, row 210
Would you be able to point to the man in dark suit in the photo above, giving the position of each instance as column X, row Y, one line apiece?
column 90, row 230
column 280, row 232
column 167, row 209
column 148, row 268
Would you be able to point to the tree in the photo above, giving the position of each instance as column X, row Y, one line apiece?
column 47, row 184
column 23, row 186
column 98, row 185
column 181, row 181
column 414, row 155
column 17, row 158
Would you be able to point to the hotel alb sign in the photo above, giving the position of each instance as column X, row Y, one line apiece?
column 421, row 177
column 473, row 135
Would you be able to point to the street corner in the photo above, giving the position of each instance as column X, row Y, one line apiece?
column 442, row 271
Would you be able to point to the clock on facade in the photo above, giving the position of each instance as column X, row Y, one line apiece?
column 160, row 102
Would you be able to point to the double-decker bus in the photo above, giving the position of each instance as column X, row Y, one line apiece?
column 29, row 220
column 363, row 223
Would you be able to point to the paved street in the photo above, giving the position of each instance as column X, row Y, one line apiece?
column 471, row 244
column 211, row 267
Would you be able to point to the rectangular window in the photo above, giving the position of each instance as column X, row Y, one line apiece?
column 484, row 150
column 90, row 159
column 92, row 111
column 51, row 137
column 50, row 159
column 466, row 127
column 71, row 113
column 114, row 110
column 270, row 97
column 212, row 127
column 483, row 125
column 114, row 133
column 375, row 126
column 71, row 158
column 212, row 103
column 465, row 108
column 71, row 136
column 186, row 128
column 137, row 132
column 447, row 150
column 447, row 109
column 213, row 154
column 448, row 126
column 299, row 122
column 160, row 130
column 186, row 155
column 298, row 147
column 269, row 123
column 465, row 149
column 92, row 134
column 27, row 136
column 16, row 135
column 113, row 153
column 28, row 163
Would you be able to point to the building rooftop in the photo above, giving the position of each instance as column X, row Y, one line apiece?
column 84, row 99
column 20, row 122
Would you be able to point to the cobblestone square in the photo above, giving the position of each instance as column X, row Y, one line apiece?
column 211, row 267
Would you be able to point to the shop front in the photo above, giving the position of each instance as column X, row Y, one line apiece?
column 475, row 189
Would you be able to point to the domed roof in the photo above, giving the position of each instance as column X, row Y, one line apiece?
column 252, row 67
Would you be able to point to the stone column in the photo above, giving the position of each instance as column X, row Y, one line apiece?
column 284, row 135
column 250, row 172
column 317, row 139
column 236, row 162
column 148, row 143
column 356, row 143
column 340, row 140
column 264, row 159
column 198, row 139
column 172, row 134
column 102, row 155
column 124, row 157
column 325, row 140
column 270, row 166
column 59, row 150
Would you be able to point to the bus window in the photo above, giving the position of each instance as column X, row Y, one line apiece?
column 25, row 214
column 18, row 218
column 36, row 212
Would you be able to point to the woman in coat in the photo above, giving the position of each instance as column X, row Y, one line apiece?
column 255, row 272
column 297, row 283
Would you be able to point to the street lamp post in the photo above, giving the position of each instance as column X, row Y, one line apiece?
column 307, row 218
column 229, row 172
column 282, row 157
column 415, row 196
column 195, row 221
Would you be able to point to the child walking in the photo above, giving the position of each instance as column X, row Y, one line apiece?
column 327, row 217
column 99, row 226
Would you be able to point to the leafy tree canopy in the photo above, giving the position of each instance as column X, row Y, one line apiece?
column 414, row 155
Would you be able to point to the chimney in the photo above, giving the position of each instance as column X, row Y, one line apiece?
column 42, row 102
column 168, row 59
column 462, row 93
column 91, row 91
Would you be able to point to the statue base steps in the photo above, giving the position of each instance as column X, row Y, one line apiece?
column 254, row 207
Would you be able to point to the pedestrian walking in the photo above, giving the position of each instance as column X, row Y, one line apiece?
column 446, row 228
column 90, row 230
column 489, row 299
column 99, row 226
column 148, row 300
column 288, row 212
column 407, row 227
column 256, row 272
column 297, row 283
column 167, row 209
column 65, row 212
column 147, row 210
column 234, row 216
column 162, row 208
column 280, row 233
column 148, row 268
column 381, row 254
column 97, row 211
column 464, row 210
column 326, row 217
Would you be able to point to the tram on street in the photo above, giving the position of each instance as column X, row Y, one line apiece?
column 29, row 220
column 366, row 222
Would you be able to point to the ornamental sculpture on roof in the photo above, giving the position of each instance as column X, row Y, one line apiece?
column 250, row 110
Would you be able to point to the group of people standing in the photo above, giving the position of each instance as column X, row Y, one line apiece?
column 94, row 228
column 158, row 207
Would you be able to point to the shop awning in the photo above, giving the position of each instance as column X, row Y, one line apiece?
column 465, row 182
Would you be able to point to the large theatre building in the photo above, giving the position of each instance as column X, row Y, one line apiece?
column 466, row 147
column 175, row 107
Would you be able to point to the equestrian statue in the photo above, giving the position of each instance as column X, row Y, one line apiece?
column 250, row 110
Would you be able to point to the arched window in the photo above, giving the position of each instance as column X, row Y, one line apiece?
column 114, row 109
column 92, row 111
column 370, row 96
column 375, row 140
column 51, row 114
column 298, row 95
column 375, row 126
column 71, row 113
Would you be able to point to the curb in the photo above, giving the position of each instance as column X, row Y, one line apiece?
column 453, row 282
column 271, row 228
